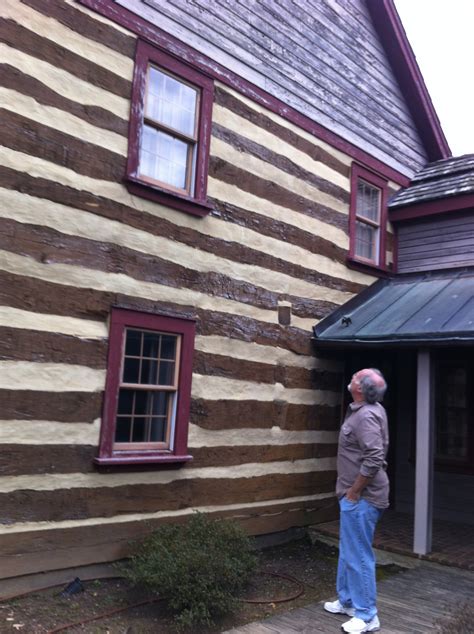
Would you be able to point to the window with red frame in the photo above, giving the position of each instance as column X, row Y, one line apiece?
column 148, row 389
column 169, row 131
column 368, row 218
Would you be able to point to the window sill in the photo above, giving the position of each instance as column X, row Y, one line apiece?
column 140, row 459
column 370, row 269
column 186, row 204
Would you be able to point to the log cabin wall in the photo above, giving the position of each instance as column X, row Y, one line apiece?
column 74, row 243
column 348, row 87
column 441, row 242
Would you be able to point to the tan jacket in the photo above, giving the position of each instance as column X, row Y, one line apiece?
column 363, row 446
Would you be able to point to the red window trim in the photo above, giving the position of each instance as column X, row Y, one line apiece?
column 120, row 319
column 197, row 205
column 353, row 261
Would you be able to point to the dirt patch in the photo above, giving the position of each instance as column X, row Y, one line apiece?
column 313, row 566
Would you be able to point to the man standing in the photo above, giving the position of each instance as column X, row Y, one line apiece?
column 362, row 488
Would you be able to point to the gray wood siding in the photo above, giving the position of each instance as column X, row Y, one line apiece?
column 438, row 244
column 322, row 58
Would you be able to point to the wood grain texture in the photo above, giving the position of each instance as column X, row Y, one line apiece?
column 436, row 244
column 226, row 414
column 24, row 459
column 233, row 250
column 81, row 503
column 36, row 551
column 49, row 246
column 100, row 117
column 350, row 102
column 67, row 407
column 83, row 24
column 23, row 39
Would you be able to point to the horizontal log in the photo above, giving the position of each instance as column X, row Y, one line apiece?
column 21, row 459
column 220, row 365
column 274, row 193
column 66, row 407
column 263, row 414
column 23, row 39
column 28, row 505
column 243, row 144
column 57, row 548
column 28, row 345
column 47, row 297
column 16, row 80
column 227, row 100
column 25, row 135
column 85, row 25
column 49, row 190
column 48, row 245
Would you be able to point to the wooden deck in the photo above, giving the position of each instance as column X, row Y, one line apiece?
column 412, row 602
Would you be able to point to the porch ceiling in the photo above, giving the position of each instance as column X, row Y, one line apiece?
column 432, row 308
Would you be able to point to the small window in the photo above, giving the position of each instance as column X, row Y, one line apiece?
column 169, row 131
column 147, row 397
column 367, row 223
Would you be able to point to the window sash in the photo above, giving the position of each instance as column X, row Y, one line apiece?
column 151, row 389
column 166, row 135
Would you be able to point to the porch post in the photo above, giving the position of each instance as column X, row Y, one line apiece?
column 424, row 455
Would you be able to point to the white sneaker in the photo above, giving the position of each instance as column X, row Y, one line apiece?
column 355, row 625
column 336, row 607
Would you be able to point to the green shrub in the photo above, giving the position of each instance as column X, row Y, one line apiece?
column 200, row 567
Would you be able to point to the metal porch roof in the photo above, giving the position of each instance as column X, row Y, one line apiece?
column 427, row 308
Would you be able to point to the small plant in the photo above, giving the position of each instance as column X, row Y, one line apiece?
column 200, row 567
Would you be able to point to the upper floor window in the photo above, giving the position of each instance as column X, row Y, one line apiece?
column 148, row 389
column 368, row 218
column 169, row 131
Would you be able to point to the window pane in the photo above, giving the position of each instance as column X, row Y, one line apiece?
column 131, row 368
column 168, row 347
column 149, row 372
column 158, row 429
column 365, row 241
column 142, row 399
column 125, row 403
column 166, row 375
column 159, row 403
column 133, row 343
column 138, row 431
column 151, row 345
column 122, row 429
column 171, row 102
column 368, row 201
column 164, row 157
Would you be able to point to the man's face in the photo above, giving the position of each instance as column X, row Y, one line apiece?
column 354, row 385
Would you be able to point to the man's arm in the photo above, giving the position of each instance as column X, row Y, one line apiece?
column 353, row 494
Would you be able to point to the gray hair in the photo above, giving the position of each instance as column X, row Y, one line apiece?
column 373, row 387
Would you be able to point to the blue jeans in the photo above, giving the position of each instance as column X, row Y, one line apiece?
column 356, row 586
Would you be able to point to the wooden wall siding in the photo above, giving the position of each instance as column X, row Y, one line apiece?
column 348, row 86
column 438, row 244
column 73, row 243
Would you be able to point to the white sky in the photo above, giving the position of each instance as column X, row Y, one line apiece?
column 441, row 33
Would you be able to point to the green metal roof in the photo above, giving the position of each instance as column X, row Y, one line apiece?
column 427, row 308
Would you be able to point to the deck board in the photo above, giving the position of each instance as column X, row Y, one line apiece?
column 411, row 602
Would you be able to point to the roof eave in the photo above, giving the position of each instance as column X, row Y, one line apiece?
column 405, row 67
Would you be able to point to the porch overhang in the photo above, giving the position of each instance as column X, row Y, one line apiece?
column 416, row 309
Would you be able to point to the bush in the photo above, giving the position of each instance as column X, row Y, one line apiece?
column 200, row 567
